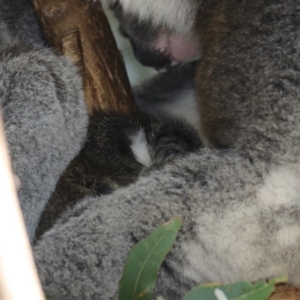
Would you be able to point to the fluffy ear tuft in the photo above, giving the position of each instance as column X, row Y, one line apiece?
column 177, row 15
column 140, row 148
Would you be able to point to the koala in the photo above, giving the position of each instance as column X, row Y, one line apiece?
column 238, row 197
column 118, row 148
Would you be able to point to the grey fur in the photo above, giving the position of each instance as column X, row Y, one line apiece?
column 228, row 235
column 45, row 122
column 18, row 22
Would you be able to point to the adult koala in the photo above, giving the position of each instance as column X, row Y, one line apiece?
column 240, row 206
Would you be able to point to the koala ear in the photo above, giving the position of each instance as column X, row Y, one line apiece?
column 176, row 15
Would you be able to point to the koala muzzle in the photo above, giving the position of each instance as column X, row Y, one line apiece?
column 150, row 57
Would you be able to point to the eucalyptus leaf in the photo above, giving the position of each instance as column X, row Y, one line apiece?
column 144, row 261
column 237, row 291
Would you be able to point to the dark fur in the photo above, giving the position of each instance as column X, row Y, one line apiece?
column 107, row 161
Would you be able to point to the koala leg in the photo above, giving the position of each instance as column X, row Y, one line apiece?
column 240, row 213
column 118, row 149
column 45, row 121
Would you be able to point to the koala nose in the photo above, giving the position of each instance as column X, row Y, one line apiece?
column 150, row 57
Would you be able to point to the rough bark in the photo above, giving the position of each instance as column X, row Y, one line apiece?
column 286, row 292
column 80, row 30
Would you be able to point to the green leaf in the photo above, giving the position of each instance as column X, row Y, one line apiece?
column 237, row 291
column 144, row 261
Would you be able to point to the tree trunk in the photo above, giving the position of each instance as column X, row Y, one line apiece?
column 286, row 292
column 80, row 30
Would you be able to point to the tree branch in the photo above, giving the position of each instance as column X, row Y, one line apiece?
column 80, row 30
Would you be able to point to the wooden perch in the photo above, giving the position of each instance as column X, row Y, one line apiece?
column 80, row 30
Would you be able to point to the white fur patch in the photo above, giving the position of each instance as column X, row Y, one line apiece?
column 288, row 236
column 139, row 148
column 178, row 15
column 282, row 186
column 218, row 238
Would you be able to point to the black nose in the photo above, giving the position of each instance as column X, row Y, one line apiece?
column 150, row 57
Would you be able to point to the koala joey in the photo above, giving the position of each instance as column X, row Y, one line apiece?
column 108, row 159
column 118, row 148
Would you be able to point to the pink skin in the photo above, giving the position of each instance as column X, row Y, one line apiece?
column 178, row 48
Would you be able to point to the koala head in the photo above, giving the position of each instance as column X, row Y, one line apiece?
column 161, row 32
